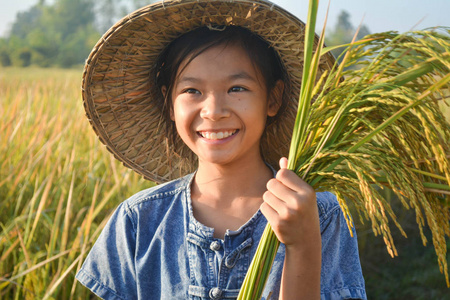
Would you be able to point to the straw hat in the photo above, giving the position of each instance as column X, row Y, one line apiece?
column 118, row 77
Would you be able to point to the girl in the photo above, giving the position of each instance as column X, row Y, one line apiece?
column 224, row 91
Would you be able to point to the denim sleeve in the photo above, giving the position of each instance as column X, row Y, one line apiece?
column 341, row 276
column 109, row 270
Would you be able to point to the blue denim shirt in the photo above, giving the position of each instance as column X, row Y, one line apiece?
column 153, row 248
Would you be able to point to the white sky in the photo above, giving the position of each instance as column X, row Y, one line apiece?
column 379, row 15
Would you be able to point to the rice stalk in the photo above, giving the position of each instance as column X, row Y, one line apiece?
column 398, row 84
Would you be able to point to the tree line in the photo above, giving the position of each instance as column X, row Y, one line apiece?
column 63, row 33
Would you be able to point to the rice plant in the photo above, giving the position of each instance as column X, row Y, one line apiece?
column 57, row 184
column 374, row 121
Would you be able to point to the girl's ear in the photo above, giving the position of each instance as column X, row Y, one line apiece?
column 275, row 98
column 164, row 92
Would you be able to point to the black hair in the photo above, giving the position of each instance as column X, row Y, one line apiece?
column 195, row 42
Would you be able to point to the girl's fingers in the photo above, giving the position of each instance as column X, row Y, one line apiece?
column 269, row 212
column 289, row 205
column 267, row 207
column 279, row 190
column 277, row 204
column 275, row 211
column 283, row 163
column 289, row 192
column 292, row 181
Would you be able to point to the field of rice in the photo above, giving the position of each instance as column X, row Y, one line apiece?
column 58, row 186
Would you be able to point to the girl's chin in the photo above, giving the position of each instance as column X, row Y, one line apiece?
column 215, row 160
column 226, row 158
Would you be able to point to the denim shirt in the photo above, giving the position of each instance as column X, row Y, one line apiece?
column 153, row 248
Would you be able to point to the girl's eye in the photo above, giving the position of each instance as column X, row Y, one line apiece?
column 191, row 91
column 237, row 89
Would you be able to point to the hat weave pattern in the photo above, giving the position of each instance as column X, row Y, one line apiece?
column 120, row 72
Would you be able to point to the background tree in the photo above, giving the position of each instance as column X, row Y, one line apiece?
column 108, row 12
column 61, row 34
column 344, row 32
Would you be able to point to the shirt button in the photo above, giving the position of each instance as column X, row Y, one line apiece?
column 214, row 246
column 215, row 293
column 229, row 263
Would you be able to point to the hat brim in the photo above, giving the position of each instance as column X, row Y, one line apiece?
column 118, row 76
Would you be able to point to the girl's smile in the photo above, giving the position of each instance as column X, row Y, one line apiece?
column 220, row 105
column 220, row 135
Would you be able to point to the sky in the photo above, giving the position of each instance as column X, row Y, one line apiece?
column 377, row 15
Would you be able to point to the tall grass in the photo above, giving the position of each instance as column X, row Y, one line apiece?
column 58, row 185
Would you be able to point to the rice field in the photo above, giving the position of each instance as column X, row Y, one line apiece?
column 58, row 186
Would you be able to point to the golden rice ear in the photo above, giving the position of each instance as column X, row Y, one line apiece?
column 275, row 98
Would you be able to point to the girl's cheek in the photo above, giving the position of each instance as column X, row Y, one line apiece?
column 184, row 117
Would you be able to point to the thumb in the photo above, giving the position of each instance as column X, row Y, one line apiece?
column 283, row 163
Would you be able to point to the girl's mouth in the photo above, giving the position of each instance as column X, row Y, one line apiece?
column 217, row 135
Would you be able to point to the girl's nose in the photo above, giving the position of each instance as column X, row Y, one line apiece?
column 215, row 108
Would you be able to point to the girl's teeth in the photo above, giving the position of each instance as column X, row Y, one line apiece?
column 216, row 135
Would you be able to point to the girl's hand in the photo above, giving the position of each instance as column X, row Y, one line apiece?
column 291, row 209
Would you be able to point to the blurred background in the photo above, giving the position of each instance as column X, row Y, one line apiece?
column 61, row 32
column 58, row 184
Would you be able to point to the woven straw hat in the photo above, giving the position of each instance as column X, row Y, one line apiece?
column 120, row 69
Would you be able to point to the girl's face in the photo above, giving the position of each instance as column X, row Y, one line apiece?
column 220, row 105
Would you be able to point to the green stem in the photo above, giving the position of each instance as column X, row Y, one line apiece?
column 437, row 186
column 428, row 174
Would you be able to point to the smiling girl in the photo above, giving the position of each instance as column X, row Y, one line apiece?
column 224, row 91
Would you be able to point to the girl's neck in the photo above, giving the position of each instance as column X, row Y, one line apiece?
column 230, row 182
column 226, row 197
